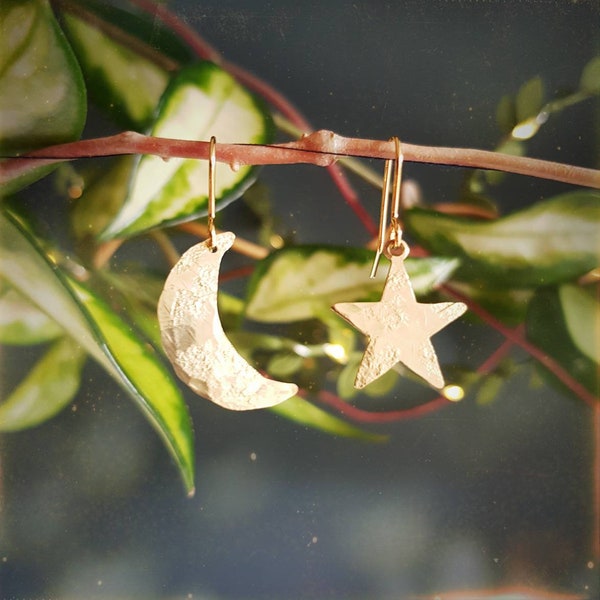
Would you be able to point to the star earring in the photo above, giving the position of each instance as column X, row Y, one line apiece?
column 398, row 327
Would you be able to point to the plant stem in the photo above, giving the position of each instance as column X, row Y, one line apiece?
column 104, row 252
column 366, row 416
column 360, row 415
column 321, row 148
column 166, row 245
column 516, row 337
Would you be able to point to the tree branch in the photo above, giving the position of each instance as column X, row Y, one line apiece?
column 321, row 148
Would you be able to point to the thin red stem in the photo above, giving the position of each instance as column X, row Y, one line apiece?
column 352, row 199
column 237, row 273
column 516, row 337
column 495, row 357
column 366, row 416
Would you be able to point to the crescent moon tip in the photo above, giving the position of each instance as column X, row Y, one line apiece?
column 274, row 393
column 290, row 389
column 225, row 239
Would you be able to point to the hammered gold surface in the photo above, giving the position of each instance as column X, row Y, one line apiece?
column 399, row 329
column 194, row 340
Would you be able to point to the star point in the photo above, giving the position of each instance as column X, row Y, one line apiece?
column 399, row 329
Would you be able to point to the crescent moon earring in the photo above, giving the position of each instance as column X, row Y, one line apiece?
column 191, row 331
column 398, row 327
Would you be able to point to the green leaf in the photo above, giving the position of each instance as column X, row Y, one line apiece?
column 342, row 339
column 530, row 99
column 22, row 323
column 47, row 388
column 201, row 101
column 139, row 30
column 136, row 292
column 248, row 343
column 489, row 389
column 582, row 317
column 136, row 282
column 284, row 364
column 146, row 378
column 97, row 329
column 258, row 199
column 231, row 309
column 547, row 329
column 507, row 304
column 301, row 282
column 121, row 81
column 102, row 197
column 27, row 268
column 552, row 241
column 590, row 77
column 382, row 385
column 347, row 376
column 301, row 411
column 42, row 96
column 506, row 115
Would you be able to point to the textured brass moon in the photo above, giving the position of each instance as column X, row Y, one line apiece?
column 194, row 340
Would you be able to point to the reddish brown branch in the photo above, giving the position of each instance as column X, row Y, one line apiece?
column 321, row 148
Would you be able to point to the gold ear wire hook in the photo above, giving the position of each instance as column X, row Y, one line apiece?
column 212, row 167
column 385, row 205
column 396, row 231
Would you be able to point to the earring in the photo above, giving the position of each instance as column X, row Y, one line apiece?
column 191, row 331
column 398, row 327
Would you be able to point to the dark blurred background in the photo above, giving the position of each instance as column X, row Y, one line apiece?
column 472, row 496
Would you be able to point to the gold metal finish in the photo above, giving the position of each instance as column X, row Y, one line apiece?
column 212, row 208
column 399, row 328
column 396, row 232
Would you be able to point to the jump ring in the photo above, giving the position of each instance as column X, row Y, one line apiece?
column 394, row 249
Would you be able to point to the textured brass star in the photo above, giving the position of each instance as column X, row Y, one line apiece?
column 399, row 329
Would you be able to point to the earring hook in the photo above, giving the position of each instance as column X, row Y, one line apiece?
column 212, row 167
column 396, row 232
